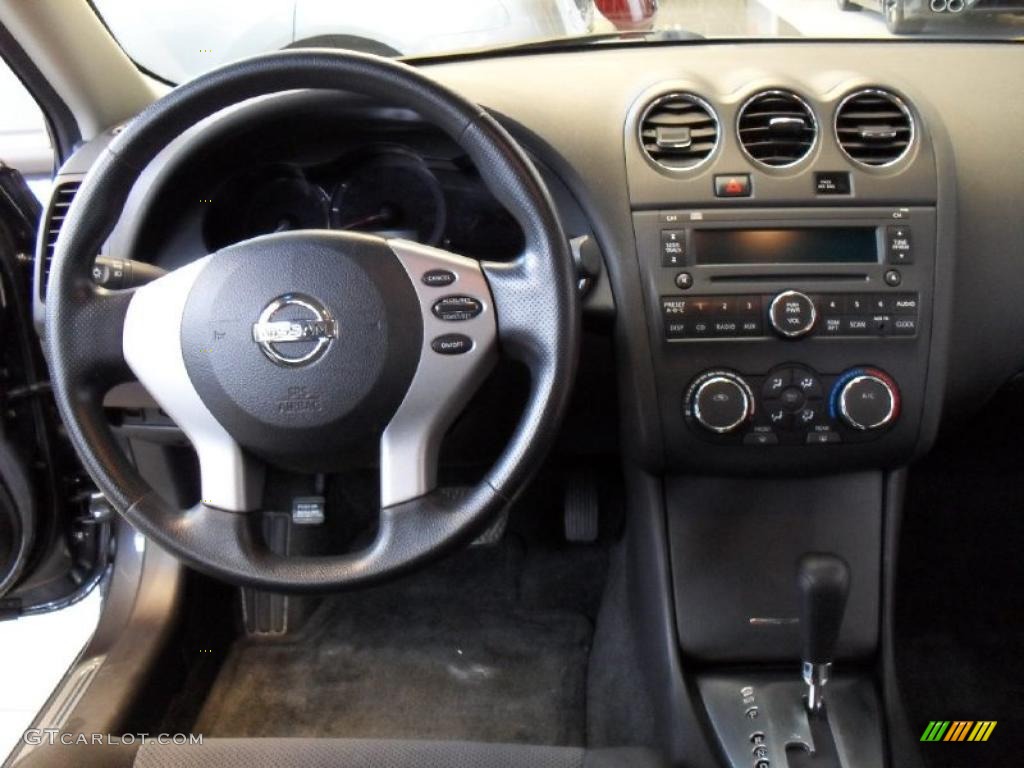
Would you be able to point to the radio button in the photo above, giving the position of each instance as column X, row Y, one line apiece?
column 726, row 327
column 793, row 314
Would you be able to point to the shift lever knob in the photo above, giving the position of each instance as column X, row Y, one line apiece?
column 823, row 581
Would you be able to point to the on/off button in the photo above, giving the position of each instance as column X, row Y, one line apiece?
column 792, row 314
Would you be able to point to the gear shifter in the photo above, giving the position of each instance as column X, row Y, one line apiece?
column 824, row 583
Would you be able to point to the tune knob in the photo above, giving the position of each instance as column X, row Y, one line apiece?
column 866, row 399
column 793, row 314
column 720, row 401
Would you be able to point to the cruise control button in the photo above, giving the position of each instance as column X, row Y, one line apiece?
column 438, row 278
column 457, row 308
column 452, row 344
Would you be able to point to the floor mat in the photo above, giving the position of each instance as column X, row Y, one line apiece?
column 960, row 590
column 489, row 646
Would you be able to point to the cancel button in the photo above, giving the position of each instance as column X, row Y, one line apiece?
column 452, row 344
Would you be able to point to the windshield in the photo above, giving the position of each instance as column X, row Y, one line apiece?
column 180, row 39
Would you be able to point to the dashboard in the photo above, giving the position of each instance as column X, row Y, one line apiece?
column 809, row 248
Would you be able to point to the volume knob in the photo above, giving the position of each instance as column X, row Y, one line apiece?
column 720, row 401
column 793, row 314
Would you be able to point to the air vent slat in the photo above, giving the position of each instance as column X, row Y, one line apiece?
column 777, row 128
column 874, row 128
column 678, row 132
column 55, row 216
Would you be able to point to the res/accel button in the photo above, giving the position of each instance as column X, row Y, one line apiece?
column 457, row 308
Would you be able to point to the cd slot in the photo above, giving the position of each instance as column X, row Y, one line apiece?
column 761, row 277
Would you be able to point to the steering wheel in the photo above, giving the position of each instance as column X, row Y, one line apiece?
column 299, row 349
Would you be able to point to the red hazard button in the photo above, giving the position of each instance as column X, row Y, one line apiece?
column 732, row 186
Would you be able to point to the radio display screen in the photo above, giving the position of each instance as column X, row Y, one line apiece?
column 803, row 245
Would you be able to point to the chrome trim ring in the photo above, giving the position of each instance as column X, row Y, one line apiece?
column 800, row 331
column 778, row 92
column 900, row 104
column 854, row 423
column 701, row 103
column 745, row 391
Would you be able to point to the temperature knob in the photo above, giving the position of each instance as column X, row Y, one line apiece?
column 793, row 314
column 866, row 399
column 720, row 401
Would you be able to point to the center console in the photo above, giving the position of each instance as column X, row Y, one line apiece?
column 790, row 338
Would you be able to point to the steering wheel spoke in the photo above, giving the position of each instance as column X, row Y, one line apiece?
column 152, row 344
column 458, row 351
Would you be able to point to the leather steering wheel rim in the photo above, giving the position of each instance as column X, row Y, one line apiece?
column 534, row 297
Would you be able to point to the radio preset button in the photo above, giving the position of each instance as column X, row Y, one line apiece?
column 793, row 314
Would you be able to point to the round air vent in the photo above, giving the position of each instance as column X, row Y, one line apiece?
column 776, row 128
column 874, row 127
column 679, row 131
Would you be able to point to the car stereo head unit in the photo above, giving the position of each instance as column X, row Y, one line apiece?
column 796, row 332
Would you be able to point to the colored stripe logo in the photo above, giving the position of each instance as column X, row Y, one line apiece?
column 958, row 730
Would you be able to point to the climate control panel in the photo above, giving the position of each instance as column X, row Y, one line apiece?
column 792, row 404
